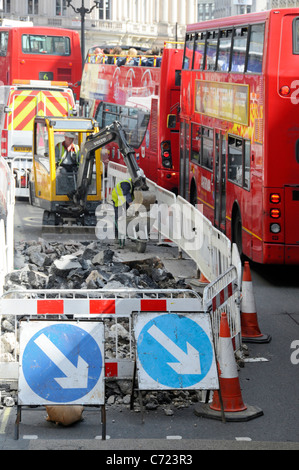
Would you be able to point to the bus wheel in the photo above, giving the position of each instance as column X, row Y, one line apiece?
column 237, row 232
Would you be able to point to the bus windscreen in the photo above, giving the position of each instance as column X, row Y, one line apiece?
column 39, row 44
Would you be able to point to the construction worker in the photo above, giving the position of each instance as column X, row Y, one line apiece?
column 67, row 153
column 122, row 197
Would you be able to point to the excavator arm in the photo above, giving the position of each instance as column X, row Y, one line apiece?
column 108, row 134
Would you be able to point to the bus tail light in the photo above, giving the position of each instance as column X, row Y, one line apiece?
column 275, row 213
column 275, row 228
column 166, row 154
column 285, row 90
column 275, row 198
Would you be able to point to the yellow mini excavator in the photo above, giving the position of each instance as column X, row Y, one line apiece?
column 70, row 194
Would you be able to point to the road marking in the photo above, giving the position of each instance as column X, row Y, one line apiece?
column 5, row 418
column 174, row 437
column 100, row 437
column 243, row 439
column 30, row 436
column 256, row 359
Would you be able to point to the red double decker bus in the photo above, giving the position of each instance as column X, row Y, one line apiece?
column 40, row 53
column 143, row 94
column 239, row 138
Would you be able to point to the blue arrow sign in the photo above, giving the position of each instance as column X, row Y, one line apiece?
column 62, row 363
column 175, row 351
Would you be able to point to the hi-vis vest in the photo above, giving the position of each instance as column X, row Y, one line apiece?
column 117, row 193
column 63, row 151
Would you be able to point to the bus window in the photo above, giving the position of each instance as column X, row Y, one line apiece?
column 225, row 42
column 256, row 47
column 199, row 51
column 246, row 183
column 239, row 50
column 235, row 160
column 296, row 36
column 207, row 148
column 188, row 56
column 106, row 114
column 39, row 44
column 134, row 121
column 212, row 42
column 3, row 43
column 196, row 143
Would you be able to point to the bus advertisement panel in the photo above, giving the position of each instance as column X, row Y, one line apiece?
column 40, row 53
column 144, row 97
column 239, row 137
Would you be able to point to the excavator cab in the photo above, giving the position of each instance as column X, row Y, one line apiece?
column 55, row 179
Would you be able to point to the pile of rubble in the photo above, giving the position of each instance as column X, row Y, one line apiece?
column 86, row 265
column 77, row 265
column 118, row 393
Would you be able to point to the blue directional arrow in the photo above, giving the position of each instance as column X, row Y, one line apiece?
column 175, row 351
column 62, row 363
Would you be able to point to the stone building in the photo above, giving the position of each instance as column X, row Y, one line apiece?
column 132, row 22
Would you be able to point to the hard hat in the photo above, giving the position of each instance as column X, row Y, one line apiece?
column 71, row 135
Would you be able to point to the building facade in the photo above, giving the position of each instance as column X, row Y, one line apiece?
column 132, row 22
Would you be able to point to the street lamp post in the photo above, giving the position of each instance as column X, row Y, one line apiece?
column 82, row 10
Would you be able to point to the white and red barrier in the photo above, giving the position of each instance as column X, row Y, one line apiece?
column 7, row 204
column 107, row 305
column 21, row 168
column 223, row 295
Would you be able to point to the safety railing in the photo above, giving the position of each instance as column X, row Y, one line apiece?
column 223, row 295
column 7, row 204
column 113, row 307
column 21, row 167
column 119, row 60
column 3, row 255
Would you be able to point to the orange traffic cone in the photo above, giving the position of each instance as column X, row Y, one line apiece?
column 201, row 282
column 249, row 323
column 202, row 279
column 228, row 373
column 228, row 400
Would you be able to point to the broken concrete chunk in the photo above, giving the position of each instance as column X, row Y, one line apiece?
column 65, row 264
